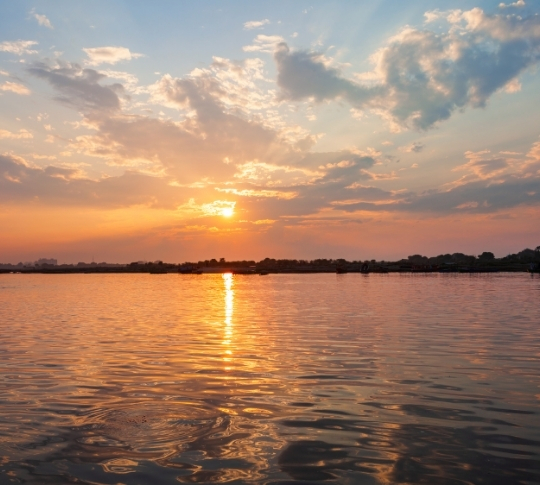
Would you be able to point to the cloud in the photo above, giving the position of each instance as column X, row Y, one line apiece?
column 18, row 47
column 482, row 165
column 263, row 43
column 226, row 144
column 219, row 146
column 79, row 87
column 218, row 128
column 129, row 80
column 491, row 183
column 474, row 197
column 212, row 144
column 22, row 134
column 303, row 74
column 109, row 55
column 58, row 185
column 415, row 147
column 216, row 207
column 535, row 151
column 518, row 3
column 255, row 24
column 278, row 194
column 14, row 88
column 422, row 77
column 239, row 84
column 42, row 19
column 532, row 167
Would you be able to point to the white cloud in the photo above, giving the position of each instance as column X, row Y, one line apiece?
column 42, row 19
column 22, row 134
column 255, row 24
column 518, row 3
column 237, row 85
column 18, row 47
column 129, row 80
column 263, row 43
column 109, row 55
column 14, row 88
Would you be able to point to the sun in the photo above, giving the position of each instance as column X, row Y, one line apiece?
column 227, row 211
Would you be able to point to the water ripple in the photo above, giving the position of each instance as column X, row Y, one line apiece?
column 285, row 379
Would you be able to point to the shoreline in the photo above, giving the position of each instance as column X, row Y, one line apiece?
column 258, row 272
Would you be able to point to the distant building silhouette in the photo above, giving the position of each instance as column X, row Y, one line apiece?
column 42, row 261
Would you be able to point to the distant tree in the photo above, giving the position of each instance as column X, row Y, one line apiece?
column 486, row 256
column 527, row 255
column 417, row 259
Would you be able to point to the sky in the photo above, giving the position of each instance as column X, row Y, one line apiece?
column 181, row 131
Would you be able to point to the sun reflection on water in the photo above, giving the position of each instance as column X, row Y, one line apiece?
column 229, row 308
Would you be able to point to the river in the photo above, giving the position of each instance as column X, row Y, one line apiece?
column 278, row 379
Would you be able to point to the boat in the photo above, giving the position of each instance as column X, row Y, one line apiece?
column 243, row 271
column 186, row 269
column 189, row 269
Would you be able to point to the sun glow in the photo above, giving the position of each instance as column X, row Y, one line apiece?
column 227, row 211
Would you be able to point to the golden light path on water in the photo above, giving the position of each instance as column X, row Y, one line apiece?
column 228, row 323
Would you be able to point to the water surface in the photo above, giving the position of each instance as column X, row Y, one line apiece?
column 350, row 379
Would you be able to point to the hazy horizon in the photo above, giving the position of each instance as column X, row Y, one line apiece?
column 227, row 260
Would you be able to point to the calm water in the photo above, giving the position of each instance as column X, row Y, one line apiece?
column 351, row 379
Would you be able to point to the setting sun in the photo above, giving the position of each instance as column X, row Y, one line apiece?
column 227, row 211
